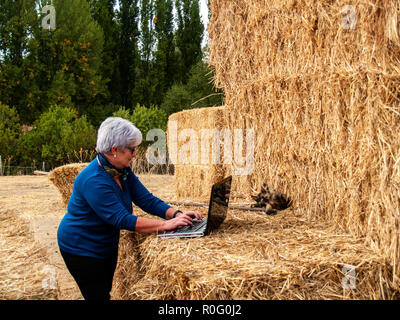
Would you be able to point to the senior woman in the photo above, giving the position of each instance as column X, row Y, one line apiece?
column 101, row 205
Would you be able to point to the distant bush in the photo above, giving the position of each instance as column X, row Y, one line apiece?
column 10, row 130
column 122, row 113
column 149, row 118
column 57, row 134
column 177, row 98
column 199, row 92
column 96, row 114
column 144, row 118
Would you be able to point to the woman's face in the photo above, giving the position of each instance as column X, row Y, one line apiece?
column 124, row 156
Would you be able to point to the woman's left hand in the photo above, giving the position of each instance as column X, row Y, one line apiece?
column 192, row 214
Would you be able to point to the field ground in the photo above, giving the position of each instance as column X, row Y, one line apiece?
column 31, row 209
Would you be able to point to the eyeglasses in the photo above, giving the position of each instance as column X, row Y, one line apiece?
column 132, row 150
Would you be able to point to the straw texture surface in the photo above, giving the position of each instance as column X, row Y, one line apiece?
column 318, row 81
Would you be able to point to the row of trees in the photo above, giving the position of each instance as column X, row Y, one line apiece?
column 103, row 55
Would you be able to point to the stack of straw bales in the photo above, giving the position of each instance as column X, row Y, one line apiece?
column 191, row 151
column 252, row 257
column 319, row 83
column 63, row 178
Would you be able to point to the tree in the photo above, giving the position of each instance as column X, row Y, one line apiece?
column 189, row 34
column 57, row 134
column 199, row 92
column 10, row 131
column 165, row 60
column 63, row 65
column 16, row 21
column 201, row 86
column 79, row 45
column 176, row 99
column 145, row 83
column 104, row 14
column 128, row 50
column 144, row 118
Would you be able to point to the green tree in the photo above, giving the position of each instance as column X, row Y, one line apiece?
column 104, row 14
column 79, row 44
column 57, row 134
column 144, row 118
column 189, row 35
column 64, row 65
column 201, row 86
column 10, row 131
column 16, row 21
column 149, row 118
column 199, row 92
column 176, row 99
column 128, row 51
column 146, row 78
column 165, row 60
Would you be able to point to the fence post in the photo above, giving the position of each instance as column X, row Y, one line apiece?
column 43, row 167
column 1, row 167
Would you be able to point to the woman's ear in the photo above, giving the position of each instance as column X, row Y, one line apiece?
column 114, row 151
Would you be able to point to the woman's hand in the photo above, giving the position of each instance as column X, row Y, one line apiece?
column 192, row 214
column 182, row 219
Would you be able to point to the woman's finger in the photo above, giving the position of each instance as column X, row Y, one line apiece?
column 194, row 214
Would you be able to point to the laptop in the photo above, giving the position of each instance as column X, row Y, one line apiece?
column 217, row 210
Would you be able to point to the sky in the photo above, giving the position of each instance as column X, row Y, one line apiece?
column 204, row 16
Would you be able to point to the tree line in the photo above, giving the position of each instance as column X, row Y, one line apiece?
column 102, row 58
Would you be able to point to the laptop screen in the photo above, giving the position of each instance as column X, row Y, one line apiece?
column 219, row 201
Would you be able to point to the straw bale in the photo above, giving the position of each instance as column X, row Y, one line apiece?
column 63, row 178
column 128, row 270
column 198, row 162
column 23, row 263
column 323, row 100
column 194, row 181
column 254, row 257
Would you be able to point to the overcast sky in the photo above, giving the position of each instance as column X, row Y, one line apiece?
column 204, row 16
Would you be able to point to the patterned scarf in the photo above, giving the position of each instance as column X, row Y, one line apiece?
column 123, row 174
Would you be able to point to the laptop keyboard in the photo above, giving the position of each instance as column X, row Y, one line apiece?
column 197, row 225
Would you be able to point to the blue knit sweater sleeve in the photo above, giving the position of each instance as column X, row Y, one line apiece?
column 146, row 200
column 102, row 198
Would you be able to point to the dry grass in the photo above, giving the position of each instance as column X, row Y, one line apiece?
column 31, row 209
column 24, row 269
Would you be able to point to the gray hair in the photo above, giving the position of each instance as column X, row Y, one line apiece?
column 117, row 132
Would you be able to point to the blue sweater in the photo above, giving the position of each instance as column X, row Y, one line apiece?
column 98, row 209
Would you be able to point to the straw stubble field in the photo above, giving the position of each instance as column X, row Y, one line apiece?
column 31, row 267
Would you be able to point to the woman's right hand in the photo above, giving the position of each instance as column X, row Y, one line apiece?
column 179, row 221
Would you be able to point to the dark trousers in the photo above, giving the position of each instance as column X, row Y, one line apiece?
column 93, row 276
